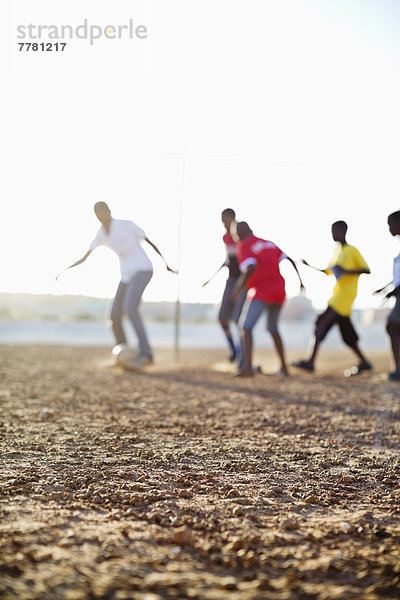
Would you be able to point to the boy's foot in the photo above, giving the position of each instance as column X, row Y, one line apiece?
column 139, row 362
column 232, row 357
column 246, row 373
column 281, row 373
column 356, row 370
column 304, row 364
column 395, row 376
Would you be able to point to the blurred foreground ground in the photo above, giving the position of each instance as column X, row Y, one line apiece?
column 183, row 482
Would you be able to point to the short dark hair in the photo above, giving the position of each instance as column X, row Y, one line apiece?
column 394, row 217
column 243, row 230
column 228, row 212
column 341, row 225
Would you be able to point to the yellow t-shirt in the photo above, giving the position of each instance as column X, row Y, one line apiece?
column 345, row 290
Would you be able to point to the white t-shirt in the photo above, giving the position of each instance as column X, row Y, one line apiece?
column 124, row 238
column 396, row 271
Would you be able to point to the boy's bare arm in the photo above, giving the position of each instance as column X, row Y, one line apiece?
column 75, row 264
column 382, row 289
column 302, row 288
column 241, row 282
column 159, row 253
column 395, row 292
column 212, row 276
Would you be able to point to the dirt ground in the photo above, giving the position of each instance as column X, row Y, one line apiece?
column 183, row 482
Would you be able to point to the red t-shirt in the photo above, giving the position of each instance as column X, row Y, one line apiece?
column 266, row 283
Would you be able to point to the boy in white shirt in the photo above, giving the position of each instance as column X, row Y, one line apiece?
column 124, row 238
column 393, row 322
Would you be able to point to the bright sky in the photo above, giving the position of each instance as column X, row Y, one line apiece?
column 288, row 111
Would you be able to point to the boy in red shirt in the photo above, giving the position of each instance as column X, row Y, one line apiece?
column 259, row 264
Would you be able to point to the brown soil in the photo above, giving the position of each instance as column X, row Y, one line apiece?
column 182, row 482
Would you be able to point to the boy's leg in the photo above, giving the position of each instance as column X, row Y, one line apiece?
column 393, row 329
column 133, row 296
column 256, row 308
column 323, row 324
column 116, row 314
column 237, row 311
column 272, row 326
column 238, row 307
column 350, row 337
column 225, row 314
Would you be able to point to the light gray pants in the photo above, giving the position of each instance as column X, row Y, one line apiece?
column 126, row 302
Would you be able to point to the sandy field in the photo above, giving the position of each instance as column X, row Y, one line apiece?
column 184, row 482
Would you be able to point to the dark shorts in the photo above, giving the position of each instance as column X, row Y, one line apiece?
column 328, row 319
column 394, row 317
column 231, row 311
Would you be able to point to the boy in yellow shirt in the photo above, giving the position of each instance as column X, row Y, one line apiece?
column 346, row 265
